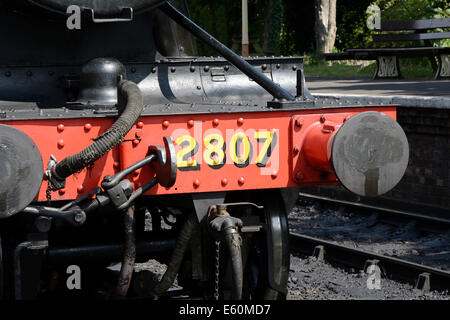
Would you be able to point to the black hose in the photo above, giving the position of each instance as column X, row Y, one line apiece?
column 233, row 241
column 129, row 254
column 177, row 256
column 113, row 136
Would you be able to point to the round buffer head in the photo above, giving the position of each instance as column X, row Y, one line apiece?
column 370, row 154
column 21, row 171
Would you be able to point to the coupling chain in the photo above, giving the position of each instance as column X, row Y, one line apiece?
column 217, row 270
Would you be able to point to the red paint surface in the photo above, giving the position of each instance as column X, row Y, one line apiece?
column 310, row 164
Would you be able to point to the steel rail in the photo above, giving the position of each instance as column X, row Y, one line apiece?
column 423, row 222
column 393, row 268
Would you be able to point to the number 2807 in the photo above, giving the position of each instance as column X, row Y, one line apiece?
column 215, row 150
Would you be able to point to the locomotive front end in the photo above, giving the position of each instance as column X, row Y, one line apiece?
column 113, row 151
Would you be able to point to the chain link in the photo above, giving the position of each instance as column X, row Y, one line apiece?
column 216, row 279
column 49, row 193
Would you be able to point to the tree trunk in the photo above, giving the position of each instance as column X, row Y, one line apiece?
column 325, row 25
column 267, row 26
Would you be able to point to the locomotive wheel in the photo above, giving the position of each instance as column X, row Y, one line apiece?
column 266, row 255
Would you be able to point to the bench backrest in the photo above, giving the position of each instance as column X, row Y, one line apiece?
column 413, row 25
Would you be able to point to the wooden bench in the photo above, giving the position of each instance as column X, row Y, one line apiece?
column 388, row 58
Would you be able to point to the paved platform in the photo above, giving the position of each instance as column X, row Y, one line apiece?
column 366, row 86
column 408, row 93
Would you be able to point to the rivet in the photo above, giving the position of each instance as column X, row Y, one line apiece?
column 216, row 122
column 226, row 68
column 138, row 134
column 60, row 127
column 166, row 124
column 154, row 70
column 140, row 125
column 278, row 66
column 190, row 123
column 241, row 180
column 224, row 182
column 264, row 66
column 299, row 122
column 87, row 127
column 133, row 69
column 299, row 176
column 199, row 88
column 206, row 69
column 116, row 165
column 296, row 150
column 192, row 69
column 8, row 74
column 135, row 142
column 62, row 191
column 294, row 68
column 274, row 174
column 240, row 121
column 61, row 143
column 196, row 183
column 322, row 118
column 80, row 189
column 173, row 69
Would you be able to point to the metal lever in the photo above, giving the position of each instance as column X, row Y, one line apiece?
column 166, row 165
column 75, row 217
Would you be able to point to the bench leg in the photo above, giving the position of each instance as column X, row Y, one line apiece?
column 443, row 70
column 388, row 67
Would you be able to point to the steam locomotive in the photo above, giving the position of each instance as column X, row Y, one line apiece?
column 118, row 143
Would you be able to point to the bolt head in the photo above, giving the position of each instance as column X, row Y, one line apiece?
column 299, row 176
column 299, row 122
column 79, row 218
column 87, row 127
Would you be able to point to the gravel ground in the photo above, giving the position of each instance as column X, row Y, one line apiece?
column 317, row 280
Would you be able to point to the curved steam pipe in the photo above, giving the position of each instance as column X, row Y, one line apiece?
column 129, row 92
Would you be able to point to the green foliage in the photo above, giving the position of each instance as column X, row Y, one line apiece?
column 412, row 9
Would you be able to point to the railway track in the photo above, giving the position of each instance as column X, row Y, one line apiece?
column 423, row 277
column 388, row 215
